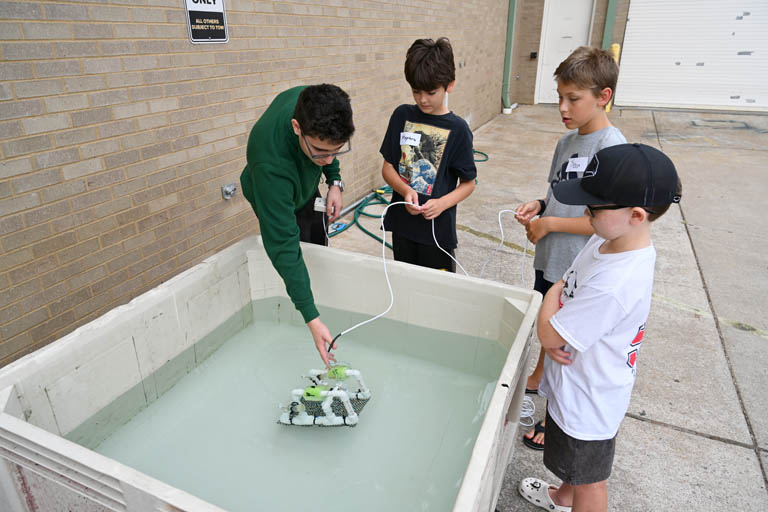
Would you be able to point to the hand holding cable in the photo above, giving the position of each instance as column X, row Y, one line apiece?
column 334, row 203
column 527, row 211
column 321, row 335
column 432, row 209
column 537, row 229
column 411, row 201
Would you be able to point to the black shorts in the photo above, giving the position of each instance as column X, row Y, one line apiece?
column 541, row 285
column 574, row 461
column 415, row 253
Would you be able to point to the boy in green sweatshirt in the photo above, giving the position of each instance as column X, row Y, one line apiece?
column 290, row 147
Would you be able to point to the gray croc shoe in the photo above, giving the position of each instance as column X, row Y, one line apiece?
column 537, row 492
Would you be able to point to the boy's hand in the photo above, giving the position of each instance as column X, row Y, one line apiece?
column 559, row 355
column 432, row 209
column 322, row 336
column 525, row 212
column 412, row 197
column 333, row 203
column 537, row 229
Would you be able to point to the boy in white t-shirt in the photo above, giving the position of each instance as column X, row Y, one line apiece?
column 592, row 321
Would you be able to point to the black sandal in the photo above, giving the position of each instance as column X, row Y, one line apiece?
column 538, row 428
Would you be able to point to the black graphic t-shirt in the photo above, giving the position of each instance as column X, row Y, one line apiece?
column 431, row 154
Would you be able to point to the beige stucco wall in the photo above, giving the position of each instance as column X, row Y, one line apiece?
column 117, row 133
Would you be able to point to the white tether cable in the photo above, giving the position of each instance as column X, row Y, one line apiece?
column 386, row 274
column 501, row 245
column 528, row 407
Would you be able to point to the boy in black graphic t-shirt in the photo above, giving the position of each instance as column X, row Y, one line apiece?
column 428, row 160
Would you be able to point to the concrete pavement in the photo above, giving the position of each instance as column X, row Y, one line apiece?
column 696, row 434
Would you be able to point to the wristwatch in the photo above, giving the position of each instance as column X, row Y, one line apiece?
column 337, row 183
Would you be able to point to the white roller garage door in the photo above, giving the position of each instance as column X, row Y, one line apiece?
column 695, row 54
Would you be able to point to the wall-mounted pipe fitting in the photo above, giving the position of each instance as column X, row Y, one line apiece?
column 227, row 191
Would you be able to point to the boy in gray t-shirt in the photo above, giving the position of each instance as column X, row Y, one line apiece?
column 585, row 84
column 556, row 250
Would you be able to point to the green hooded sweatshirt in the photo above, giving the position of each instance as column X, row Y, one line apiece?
column 278, row 180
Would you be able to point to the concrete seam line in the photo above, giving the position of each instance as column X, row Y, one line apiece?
column 690, row 431
column 480, row 234
column 718, row 327
column 751, row 429
column 706, row 314
column 656, row 129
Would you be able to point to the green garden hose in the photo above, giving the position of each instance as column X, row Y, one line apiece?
column 378, row 198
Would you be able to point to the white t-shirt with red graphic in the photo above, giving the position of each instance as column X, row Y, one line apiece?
column 604, row 307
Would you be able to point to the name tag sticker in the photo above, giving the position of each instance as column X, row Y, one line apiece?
column 410, row 139
column 577, row 165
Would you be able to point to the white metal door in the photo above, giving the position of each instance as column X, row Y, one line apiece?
column 695, row 54
column 566, row 26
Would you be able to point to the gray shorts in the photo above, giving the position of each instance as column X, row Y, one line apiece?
column 574, row 461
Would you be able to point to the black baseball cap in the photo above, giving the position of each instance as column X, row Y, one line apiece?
column 628, row 175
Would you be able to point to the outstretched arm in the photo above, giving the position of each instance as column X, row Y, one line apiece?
column 280, row 234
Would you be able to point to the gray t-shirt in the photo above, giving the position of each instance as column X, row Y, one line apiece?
column 556, row 251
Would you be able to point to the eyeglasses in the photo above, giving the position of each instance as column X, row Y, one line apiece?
column 593, row 209
column 320, row 156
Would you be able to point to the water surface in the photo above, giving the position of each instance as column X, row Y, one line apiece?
column 215, row 434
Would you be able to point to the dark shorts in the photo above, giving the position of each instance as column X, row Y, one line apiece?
column 541, row 285
column 574, row 461
column 415, row 253
column 310, row 222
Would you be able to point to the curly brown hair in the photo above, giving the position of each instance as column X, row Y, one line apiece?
column 324, row 111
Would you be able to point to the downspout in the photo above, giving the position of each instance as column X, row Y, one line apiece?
column 615, row 49
column 610, row 18
column 508, row 57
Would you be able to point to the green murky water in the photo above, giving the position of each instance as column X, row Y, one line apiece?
column 215, row 434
